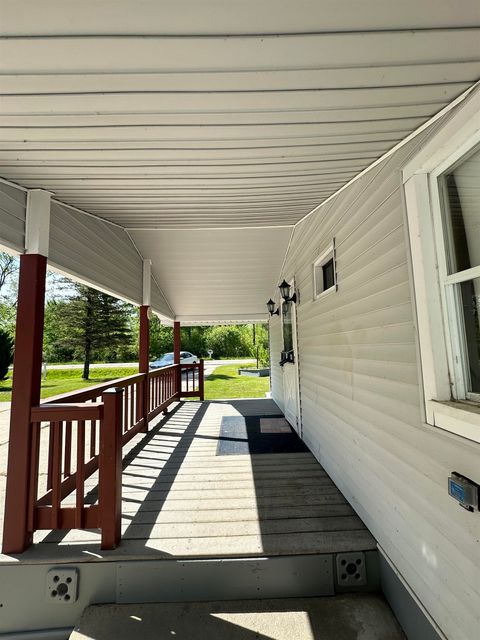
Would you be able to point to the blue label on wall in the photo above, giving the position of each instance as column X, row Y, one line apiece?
column 456, row 490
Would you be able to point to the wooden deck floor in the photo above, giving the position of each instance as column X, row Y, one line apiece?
column 181, row 500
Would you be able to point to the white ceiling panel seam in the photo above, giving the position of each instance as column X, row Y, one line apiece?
column 63, row 53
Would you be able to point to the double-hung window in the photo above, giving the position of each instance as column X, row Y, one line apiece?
column 442, row 193
column 459, row 190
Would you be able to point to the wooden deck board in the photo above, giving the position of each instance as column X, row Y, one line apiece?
column 181, row 500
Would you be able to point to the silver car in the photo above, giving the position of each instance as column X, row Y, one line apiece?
column 167, row 359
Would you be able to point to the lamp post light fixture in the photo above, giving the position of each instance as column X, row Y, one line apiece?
column 271, row 308
column 285, row 292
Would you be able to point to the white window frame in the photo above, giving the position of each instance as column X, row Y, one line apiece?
column 322, row 260
column 441, row 344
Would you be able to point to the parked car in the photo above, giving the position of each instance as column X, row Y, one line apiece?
column 167, row 359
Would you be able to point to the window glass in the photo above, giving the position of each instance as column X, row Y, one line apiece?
column 328, row 276
column 287, row 308
column 461, row 188
column 470, row 295
column 324, row 273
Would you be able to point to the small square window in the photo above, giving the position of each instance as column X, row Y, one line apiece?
column 324, row 276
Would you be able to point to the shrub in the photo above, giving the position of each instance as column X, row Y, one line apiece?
column 6, row 353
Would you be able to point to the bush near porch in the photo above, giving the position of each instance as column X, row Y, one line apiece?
column 225, row 382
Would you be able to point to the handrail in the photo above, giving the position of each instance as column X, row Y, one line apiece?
column 95, row 391
column 66, row 411
column 156, row 372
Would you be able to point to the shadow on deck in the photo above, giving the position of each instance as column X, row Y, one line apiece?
column 219, row 479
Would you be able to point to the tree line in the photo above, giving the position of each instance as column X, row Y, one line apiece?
column 85, row 325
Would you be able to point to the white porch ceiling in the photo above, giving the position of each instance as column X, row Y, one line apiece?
column 216, row 275
column 175, row 117
column 215, row 114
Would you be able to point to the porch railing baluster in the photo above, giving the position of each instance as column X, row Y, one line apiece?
column 122, row 413
column 80, row 475
column 57, row 474
column 67, row 461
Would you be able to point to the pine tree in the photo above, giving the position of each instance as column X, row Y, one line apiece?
column 88, row 324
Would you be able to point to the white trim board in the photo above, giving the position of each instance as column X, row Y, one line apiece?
column 440, row 342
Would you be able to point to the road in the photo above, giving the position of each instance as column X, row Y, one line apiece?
column 210, row 365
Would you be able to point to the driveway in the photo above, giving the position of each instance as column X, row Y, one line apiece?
column 210, row 365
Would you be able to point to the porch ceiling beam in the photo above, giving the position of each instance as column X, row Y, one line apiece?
column 229, row 318
column 147, row 282
column 37, row 222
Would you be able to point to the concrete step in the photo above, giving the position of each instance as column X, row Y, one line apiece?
column 346, row 617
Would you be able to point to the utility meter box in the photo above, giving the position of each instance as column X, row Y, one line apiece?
column 464, row 491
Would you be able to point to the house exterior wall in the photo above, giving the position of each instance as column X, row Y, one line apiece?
column 361, row 397
column 13, row 204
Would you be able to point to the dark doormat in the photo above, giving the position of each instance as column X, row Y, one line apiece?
column 257, row 434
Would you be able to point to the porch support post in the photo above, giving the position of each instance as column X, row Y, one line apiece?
column 110, row 469
column 143, row 360
column 27, row 371
column 176, row 354
column 144, row 343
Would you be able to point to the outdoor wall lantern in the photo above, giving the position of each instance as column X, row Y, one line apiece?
column 271, row 308
column 285, row 292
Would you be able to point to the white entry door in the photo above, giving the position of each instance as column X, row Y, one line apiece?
column 291, row 399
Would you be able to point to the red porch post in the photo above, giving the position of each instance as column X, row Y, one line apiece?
column 144, row 360
column 110, row 469
column 26, row 393
column 176, row 354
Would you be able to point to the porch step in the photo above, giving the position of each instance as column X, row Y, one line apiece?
column 346, row 617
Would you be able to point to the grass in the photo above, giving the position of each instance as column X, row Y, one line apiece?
column 65, row 380
column 225, row 382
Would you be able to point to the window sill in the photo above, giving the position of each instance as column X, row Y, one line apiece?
column 326, row 292
column 460, row 418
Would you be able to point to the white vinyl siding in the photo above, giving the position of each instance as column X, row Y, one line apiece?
column 97, row 252
column 361, row 402
column 12, row 217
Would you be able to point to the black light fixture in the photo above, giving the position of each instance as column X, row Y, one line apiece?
column 285, row 292
column 271, row 308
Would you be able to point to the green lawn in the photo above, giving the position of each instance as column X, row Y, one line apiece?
column 65, row 380
column 225, row 382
